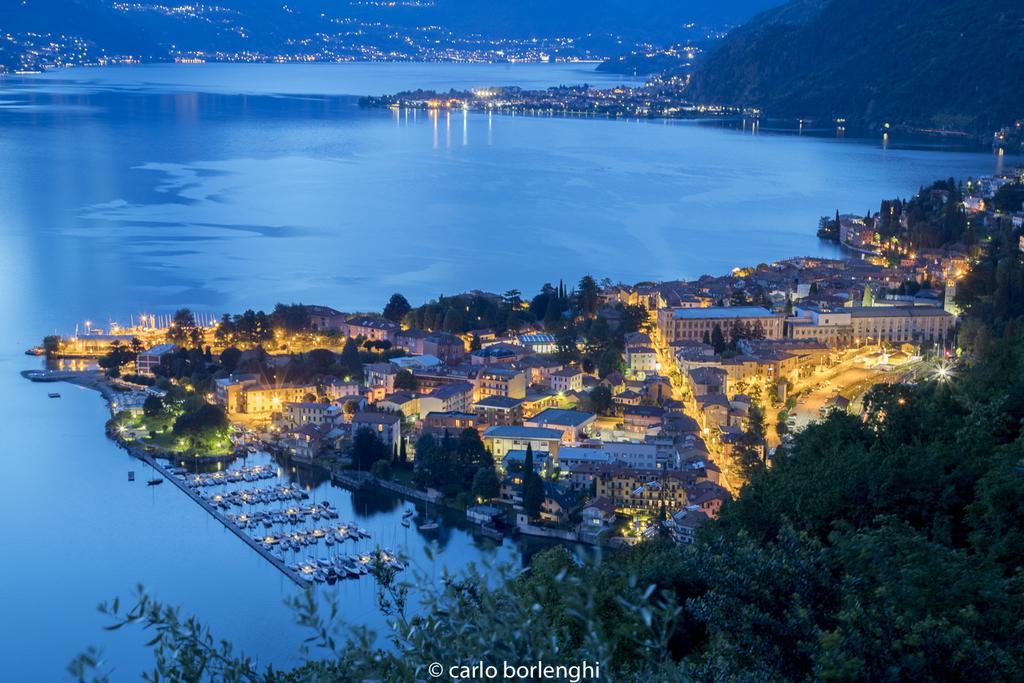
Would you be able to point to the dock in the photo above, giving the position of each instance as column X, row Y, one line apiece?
column 216, row 514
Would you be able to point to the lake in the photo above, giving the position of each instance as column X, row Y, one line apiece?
column 223, row 187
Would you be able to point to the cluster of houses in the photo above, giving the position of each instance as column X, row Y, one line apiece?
column 643, row 458
column 861, row 233
column 648, row 453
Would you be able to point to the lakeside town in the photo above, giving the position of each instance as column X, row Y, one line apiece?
column 599, row 413
column 659, row 97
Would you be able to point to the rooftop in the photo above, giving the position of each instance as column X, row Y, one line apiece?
column 160, row 349
column 501, row 402
column 583, row 454
column 722, row 312
column 375, row 418
column 516, row 432
column 899, row 312
column 453, row 389
column 562, row 418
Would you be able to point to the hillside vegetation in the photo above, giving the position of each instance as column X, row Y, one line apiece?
column 956, row 64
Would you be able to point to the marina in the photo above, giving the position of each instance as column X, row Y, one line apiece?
column 305, row 554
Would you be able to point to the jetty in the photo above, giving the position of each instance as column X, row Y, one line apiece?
column 269, row 544
column 216, row 514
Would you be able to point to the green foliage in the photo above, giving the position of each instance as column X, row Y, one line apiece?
column 184, row 331
column 397, row 308
column 153, row 406
column 450, row 464
column 405, row 380
column 204, row 425
column 118, row 356
column 587, row 296
column 51, row 344
column 350, row 361
column 320, row 361
column 718, row 339
column 485, row 483
column 533, row 486
column 251, row 328
column 291, row 318
column 885, row 547
column 834, row 59
column 600, row 399
column 462, row 313
column 992, row 293
column 634, row 318
column 368, row 449
column 555, row 613
column 1009, row 198
column 933, row 218
column 382, row 470
column 829, row 228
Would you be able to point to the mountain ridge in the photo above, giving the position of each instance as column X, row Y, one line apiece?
column 950, row 65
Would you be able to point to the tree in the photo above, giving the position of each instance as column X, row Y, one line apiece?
column 718, row 339
column 350, row 361
column 153, row 406
column 601, row 399
column 512, row 299
column 202, row 426
column 485, row 483
column 350, row 408
column 367, row 448
column 609, row 361
column 229, row 358
column 381, row 469
column 397, row 308
column 117, row 357
column 453, row 321
column 533, row 486
column 587, row 295
column 321, row 360
column 634, row 318
column 292, row 318
column 405, row 380
column 183, row 330
column 879, row 547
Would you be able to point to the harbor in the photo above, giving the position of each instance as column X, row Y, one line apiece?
column 304, row 554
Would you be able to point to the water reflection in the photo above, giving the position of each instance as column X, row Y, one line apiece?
column 369, row 503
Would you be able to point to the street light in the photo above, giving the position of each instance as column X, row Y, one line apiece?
column 943, row 372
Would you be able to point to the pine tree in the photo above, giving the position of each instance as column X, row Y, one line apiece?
column 718, row 339
column 533, row 487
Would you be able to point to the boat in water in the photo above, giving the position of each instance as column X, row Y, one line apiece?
column 154, row 482
column 53, row 394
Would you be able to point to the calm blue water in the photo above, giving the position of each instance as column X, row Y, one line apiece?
column 223, row 187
